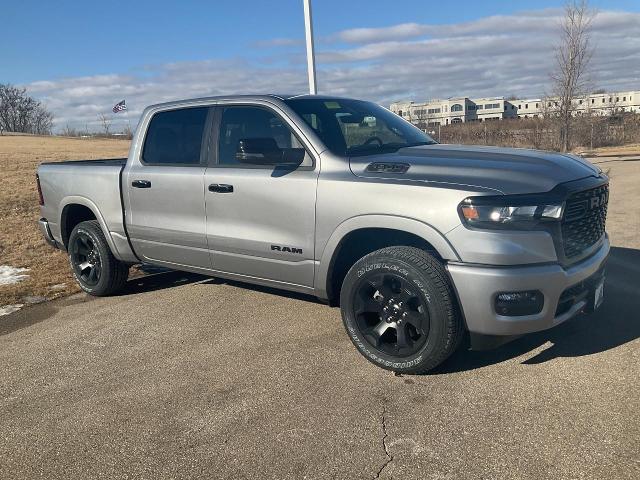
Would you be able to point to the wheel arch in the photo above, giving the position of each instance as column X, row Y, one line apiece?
column 361, row 235
column 74, row 210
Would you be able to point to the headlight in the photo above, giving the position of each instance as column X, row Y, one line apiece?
column 516, row 212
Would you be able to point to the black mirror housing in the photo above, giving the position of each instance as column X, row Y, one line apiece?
column 265, row 151
column 292, row 156
column 258, row 151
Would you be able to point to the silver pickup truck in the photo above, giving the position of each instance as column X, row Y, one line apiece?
column 418, row 242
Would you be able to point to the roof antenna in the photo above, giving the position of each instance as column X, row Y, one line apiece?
column 311, row 58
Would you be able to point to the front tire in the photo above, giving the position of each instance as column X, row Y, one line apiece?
column 94, row 267
column 399, row 310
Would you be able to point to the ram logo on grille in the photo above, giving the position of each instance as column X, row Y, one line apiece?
column 599, row 200
column 584, row 221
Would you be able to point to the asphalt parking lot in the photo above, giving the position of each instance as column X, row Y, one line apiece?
column 188, row 377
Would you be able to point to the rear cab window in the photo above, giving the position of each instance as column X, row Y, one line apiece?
column 175, row 137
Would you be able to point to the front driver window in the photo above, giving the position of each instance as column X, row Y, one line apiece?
column 252, row 122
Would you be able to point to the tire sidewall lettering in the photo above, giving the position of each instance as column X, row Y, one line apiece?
column 389, row 267
column 423, row 289
column 371, row 355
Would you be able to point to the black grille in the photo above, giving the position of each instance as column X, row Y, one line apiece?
column 584, row 220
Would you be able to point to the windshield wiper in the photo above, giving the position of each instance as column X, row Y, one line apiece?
column 371, row 149
column 384, row 148
column 417, row 144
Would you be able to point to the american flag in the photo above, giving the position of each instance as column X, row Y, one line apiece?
column 119, row 107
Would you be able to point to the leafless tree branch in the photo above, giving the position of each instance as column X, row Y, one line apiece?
column 572, row 56
column 21, row 113
column 106, row 123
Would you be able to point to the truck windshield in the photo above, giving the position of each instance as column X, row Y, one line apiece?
column 355, row 127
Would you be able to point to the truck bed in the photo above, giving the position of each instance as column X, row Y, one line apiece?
column 94, row 184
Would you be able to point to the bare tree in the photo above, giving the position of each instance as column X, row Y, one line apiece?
column 128, row 132
column 68, row 131
column 422, row 117
column 572, row 59
column 21, row 113
column 42, row 121
column 106, row 123
column 613, row 105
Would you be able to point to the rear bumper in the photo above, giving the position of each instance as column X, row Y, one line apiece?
column 478, row 286
column 46, row 232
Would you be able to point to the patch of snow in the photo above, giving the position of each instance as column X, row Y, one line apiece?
column 59, row 286
column 32, row 299
column 7, row 309
column 10, row 275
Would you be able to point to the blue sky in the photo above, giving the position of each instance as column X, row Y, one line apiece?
column 84, row 54
column 70, row 38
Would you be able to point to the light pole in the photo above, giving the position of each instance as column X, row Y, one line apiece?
column 311, row 58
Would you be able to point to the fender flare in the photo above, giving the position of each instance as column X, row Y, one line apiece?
column 84, row 201
column 392, row 222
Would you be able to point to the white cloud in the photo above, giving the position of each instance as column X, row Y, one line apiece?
column 495, row 55
column 394, row 32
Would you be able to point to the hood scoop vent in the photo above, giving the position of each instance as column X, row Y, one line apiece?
column 383, row 167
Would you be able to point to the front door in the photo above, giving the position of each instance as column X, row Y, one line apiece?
column 260, row 219
column 166, row 215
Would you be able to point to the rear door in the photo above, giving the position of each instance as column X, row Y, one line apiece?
column 165, row 184
column 260, row 219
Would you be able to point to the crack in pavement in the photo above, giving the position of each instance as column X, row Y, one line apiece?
column 384, row 443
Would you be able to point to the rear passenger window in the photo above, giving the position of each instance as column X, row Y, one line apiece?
column 175, row 137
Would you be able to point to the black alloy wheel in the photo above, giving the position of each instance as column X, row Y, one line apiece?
column 391, row 314
column 85, row 258
column 95, row 268
column 400, row 311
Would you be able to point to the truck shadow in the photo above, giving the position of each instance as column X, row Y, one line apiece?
column 263, row 289
column 617, row 322
column 158, row 278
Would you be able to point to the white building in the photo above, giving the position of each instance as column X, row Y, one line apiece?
column 464, row 109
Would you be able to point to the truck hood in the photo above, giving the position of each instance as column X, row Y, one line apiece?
column 504, row 170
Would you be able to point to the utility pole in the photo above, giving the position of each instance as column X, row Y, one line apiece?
column 311, row 58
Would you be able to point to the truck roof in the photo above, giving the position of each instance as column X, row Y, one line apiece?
column 261, row 96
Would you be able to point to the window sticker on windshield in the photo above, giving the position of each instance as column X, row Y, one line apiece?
column 332, row 105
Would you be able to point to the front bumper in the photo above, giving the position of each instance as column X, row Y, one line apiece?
column 477, row 287
column 46, row 232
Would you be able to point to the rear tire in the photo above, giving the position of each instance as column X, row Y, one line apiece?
column 94, row 267
column 399, row 310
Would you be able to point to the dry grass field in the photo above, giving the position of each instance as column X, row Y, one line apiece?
column 21, row 244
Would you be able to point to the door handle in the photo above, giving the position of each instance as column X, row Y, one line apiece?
column 141, row 184
column 220, row 188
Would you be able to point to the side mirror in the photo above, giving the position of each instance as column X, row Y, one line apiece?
column 265, row 151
